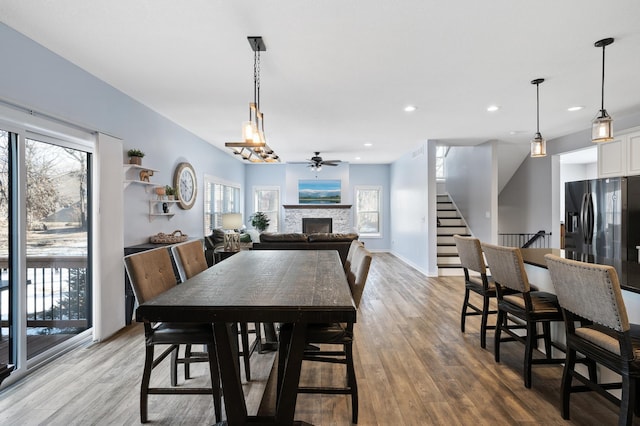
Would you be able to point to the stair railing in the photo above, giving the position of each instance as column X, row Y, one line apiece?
column 540, row 239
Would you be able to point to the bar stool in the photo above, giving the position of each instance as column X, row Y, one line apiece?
column 471, row 259
column 523, row 306
column 599, row 329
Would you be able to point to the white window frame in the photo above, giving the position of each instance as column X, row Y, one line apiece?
column 213, row 181
column 271, row 228
column 377, row 188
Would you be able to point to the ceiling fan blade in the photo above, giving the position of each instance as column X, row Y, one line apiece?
column 329, row 164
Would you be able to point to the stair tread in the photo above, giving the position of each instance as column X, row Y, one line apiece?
column 447, row 266
column 447, row 254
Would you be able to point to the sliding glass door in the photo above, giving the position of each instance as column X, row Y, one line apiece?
column 45, row 285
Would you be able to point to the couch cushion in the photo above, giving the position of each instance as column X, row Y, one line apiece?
column 276, row 237
column 332, row 237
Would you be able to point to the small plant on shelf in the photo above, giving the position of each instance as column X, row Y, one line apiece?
column 170, row 192
column 260, row 221
column 135, row 156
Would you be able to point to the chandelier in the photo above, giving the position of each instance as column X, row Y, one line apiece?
column 254, row 146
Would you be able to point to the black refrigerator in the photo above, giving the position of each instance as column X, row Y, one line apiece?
column 602, row 217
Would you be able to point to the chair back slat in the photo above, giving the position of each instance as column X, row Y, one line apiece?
column 590, row 291
column 507, row 267
column 358, row 272
column 470, row 253
column 150, row 272
column 190, row 258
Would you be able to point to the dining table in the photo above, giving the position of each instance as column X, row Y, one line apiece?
column 298, row 287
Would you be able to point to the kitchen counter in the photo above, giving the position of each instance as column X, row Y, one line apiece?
column 628, row 272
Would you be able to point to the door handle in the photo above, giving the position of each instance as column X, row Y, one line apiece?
column 583, row 219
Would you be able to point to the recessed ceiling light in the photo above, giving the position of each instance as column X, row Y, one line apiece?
column 575, row 108
column 410, row 108
column 493, row 108
column 516, row 132
column 356, row 158
column 368, row 144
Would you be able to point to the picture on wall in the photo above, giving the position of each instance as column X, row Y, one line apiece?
column 319, row 191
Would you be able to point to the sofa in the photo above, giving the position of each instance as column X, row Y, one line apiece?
column 301, row 241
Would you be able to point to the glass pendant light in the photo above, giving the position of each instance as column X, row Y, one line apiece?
column 602, row 125
column 538, row 144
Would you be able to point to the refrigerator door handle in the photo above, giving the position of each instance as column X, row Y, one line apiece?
column 590, row 218
column 583, row 219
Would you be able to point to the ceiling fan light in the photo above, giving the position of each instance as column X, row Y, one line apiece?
column 538, row 146
column 602, row 128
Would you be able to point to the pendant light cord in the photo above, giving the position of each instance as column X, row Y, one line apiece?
column 602, row 93
column 537, row 107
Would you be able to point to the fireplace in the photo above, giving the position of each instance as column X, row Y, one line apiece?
column 311, row 225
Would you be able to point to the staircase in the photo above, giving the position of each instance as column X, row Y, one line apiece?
column 449, row 223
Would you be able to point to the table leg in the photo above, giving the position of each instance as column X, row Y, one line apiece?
column 226, row 334
column 292, row 351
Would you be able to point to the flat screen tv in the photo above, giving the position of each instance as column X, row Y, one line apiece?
column 319, row 191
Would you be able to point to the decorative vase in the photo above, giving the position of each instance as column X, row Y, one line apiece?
column 135, row 160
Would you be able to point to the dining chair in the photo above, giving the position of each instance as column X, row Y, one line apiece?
column 151, row 274
column 523, row 309
column 352, row 249
column 597, row 328
column 333, row 334
column 475, row 280
column 190, row 260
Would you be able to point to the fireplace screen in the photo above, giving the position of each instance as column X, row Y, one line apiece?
column 311, row 225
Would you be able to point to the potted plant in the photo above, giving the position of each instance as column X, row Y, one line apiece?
column 135, row 156
column 260, row 221
column 170, row 192
column 160, row 192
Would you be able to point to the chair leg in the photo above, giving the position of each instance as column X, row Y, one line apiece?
column 483, row 323
column 214, row 371
column 500, row 322
column 567, row 377
column 546, row 330
column 187, row 366
column 463, row 317
column 628, row 401
column 174, row 366
column 528, row 352
column 352, row 383
column 144, row 386
column 246, row 350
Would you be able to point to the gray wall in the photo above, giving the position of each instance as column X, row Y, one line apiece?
column 471, row 181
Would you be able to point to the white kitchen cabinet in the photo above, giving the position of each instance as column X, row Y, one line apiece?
column 620, row 157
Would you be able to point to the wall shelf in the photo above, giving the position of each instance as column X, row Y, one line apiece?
column 129, row 175
column 155, row 208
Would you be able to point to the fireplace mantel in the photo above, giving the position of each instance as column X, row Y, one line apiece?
column 316, row 206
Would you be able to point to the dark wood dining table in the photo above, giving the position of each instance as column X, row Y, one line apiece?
column 268, row 286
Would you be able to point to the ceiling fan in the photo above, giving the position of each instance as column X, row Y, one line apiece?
column 316, row 162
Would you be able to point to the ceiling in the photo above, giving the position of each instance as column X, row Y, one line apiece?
column 337, row 74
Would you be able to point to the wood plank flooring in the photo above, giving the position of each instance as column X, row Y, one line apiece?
column 413, row 364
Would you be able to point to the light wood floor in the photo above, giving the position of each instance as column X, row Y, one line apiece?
column 413, row 364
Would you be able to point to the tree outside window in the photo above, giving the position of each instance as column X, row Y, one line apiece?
column 368, row 210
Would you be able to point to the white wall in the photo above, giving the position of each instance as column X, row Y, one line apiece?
column 408, row 182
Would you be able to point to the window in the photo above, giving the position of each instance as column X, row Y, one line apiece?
column 219, row 197
column 266, row 199
column 368, row 210
column 441, row 153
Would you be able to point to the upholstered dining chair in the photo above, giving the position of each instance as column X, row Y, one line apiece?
column 523, row 304
column 190, row 260
column 151, row 273
column 334, row 334
column 597, row 328
column 477, row 281
column 352, row 249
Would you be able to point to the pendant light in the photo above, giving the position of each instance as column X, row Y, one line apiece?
column 538, row 144
column 602, row 125
column 254, row 146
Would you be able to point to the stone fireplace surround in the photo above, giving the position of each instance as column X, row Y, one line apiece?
column 340, row 213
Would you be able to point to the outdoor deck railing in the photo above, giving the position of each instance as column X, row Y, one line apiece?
column 57, row 292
